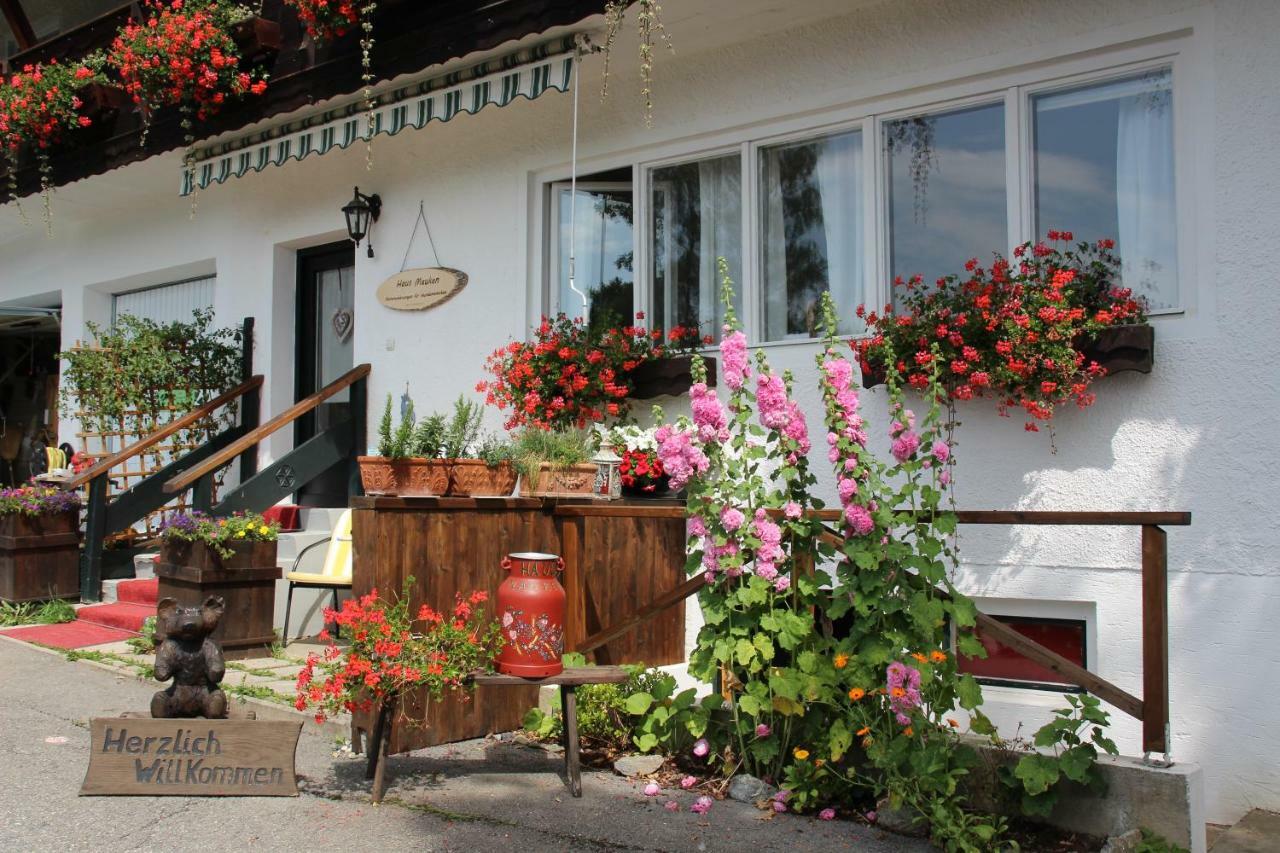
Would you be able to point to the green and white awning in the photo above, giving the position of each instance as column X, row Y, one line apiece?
column 528, row 74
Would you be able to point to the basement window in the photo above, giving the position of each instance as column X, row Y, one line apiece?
column 1005, row 667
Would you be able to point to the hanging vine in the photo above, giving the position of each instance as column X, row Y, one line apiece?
column 649, row 30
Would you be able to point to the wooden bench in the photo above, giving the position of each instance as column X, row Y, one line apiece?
column 568, row 681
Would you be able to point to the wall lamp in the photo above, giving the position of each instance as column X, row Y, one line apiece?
column 361, row 212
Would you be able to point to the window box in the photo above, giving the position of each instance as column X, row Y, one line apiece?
column 419, row 477
column 666, row 376
column 1121, row 348
column 39, row 557
column 101, row 103
column 570, row 481
column 475, row 477
column 259, row 41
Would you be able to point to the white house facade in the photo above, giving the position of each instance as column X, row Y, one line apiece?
column 1157, row 118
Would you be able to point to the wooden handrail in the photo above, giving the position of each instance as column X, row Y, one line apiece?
column 102, row 466
column 288, row 416
column 963, row 516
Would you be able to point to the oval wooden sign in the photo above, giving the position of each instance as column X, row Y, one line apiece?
column 417, row 290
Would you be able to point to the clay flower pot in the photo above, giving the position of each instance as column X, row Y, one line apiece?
column 407, row 478
column 572, row 481
column 473, row 477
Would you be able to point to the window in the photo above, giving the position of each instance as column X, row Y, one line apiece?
column 697, row 218
column 602, row 246
column 811, row 232
column 1004, row 666
column 166, row 303
column 1103, row 166
column 946, row 185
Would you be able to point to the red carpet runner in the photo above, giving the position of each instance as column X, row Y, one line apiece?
column 98, row 623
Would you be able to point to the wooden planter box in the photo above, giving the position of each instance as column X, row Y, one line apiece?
column 425, row 478
column 190, row 572
column 259, row 41
column 39, row 557
column 666, row 376
column 1121, row 348
column 573, row 481
column 101, row 103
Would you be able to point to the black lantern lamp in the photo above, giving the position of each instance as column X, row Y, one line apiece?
column 361, row 212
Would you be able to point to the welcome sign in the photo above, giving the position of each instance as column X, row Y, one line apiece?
column 191, row 758
column 419, row 289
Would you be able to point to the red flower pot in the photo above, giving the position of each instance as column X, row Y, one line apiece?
column 531, row 610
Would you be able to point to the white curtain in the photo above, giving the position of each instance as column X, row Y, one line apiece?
column 1146, row 220
column 840, row 184
column 720, row 212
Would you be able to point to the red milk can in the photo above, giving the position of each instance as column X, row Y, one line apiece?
column 531, row 610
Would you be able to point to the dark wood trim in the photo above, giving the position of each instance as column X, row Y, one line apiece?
column 1155, row 640
column 280, row 421
column 644, row 614
column 253, row 383
column 17, row 20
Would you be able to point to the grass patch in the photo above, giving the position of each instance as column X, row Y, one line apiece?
column 145, row 671
column 255, row 691
column 30, row 613
column 239, row 667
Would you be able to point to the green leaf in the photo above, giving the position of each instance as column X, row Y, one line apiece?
column 1038, row 805
column 1076, row 762
column 840, row 740
column 646, row 742
column 969, row 693
column 1036, row 772
column 765, row 646
column 970, row 646
column 749, row 705
column 764, row 749
column 745, row 652
column 981, row 724
column 808, row 662
column 638, row 703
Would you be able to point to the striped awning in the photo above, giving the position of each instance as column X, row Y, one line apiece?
column 527, row 73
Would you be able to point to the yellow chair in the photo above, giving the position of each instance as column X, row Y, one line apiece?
column 336, row 573
column 55, row 459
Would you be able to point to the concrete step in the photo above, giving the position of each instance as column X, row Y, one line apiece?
column 1257, row 832
column 290, row 545
column 320, row 519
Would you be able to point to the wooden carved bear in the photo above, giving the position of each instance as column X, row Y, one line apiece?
column 185, row 653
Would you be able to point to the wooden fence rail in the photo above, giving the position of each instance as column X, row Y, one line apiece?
column 1152, row 708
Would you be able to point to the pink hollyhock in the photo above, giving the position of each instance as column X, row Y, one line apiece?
column 905, row 446
column 652, row 789
column 941, row 450
column 696, row 526
column 702, row 805
column 709, row 415
column 762, row 730
column 701, row 747
column 688, row 782
column 782, row 583
column 859, row 519
column 671, row 806
column 792, row 510
column 731, row 518
column 827, row 814
column 733, row 354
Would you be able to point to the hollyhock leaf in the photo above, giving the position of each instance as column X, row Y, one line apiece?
column 1036, row 772
column 638, row 703
column 1077, row 761
column 765, row 646
column 968, row 692
column 839, row 740
column 745, row 652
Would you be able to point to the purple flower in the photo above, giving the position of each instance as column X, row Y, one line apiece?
column 702, row 805
column 779, row 807
column 871, row 817
column 827, row 814
column 762, row 730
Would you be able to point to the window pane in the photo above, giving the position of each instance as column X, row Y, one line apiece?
column 946, row 190
column 697, row 218
column 811, row 216
column 1104, row 168
column 1003, row 664
column 603, row 249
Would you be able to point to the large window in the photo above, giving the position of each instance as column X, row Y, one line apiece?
column 1103, row 161
column 946, row 185
column 812, row 231
column 697, row 218
column 909, row 187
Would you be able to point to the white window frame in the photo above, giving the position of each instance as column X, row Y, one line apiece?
column 1095, row 58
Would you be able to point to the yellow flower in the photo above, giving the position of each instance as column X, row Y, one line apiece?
column 239, row 534
column 800, row 754
column 937, row 656
column 841, row 661
column 264, row 530
column 857, row 693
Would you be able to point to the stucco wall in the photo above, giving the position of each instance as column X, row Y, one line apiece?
column 1192, row 435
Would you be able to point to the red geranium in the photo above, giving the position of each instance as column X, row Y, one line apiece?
column 1009, row 331
column 327, row 19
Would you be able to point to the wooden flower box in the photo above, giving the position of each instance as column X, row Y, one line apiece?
column 259, row 41
column 39, row 557
column 101, row 103
column 190, row 572
column 666, row 376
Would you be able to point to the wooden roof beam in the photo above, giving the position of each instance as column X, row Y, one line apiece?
column 18, row 22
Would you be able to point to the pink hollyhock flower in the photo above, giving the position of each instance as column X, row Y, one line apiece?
column 792, row 510
column 652, row 789
column 941, row 450
column 688, row 782
column 696, row 526
column 671, row 806
column 847, row 488
column 701, row 747
column 709, row 415
column 702, row 805
column 905, row 446
column 827, row 814
column 762, row 730
column 731, row 518
column 779, row 807
column 859, row 519
column 944, row 478
column 733, row 353
column 782, row 583
column 871, row 817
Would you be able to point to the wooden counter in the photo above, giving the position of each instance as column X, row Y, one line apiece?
column 615, row 563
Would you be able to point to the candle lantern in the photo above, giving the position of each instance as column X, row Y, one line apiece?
column 608, row 479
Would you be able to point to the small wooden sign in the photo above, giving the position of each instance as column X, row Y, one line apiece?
column 139, row 756
column 417, row 290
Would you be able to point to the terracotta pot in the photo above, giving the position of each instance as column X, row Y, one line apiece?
column 666, row 376
column 409, row 478
column 573, row 481
column 531, row 611
column 468, row 477
column 39, row 557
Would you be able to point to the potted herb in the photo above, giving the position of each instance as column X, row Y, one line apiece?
column 556, row 463
column 641, row 470
column 39, row 544
column 437, row 455
column 234, row 557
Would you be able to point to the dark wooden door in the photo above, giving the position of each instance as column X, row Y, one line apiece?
column 325, row 350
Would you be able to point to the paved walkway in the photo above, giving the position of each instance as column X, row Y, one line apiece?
column 485, row 795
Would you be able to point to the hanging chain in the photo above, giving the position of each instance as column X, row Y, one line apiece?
column 422, row 217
